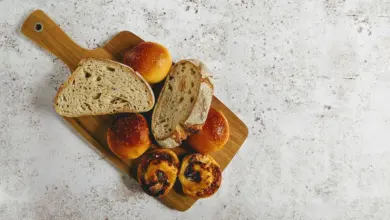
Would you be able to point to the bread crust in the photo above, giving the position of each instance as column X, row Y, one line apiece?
column 175, row 139
column 198, row 114
column 130, row 71
column 128, row 138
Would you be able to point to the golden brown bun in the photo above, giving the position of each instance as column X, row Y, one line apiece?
column 200, row 175
column 214, row 134
column 129, row 138
column 157, row 172
column 151, row 60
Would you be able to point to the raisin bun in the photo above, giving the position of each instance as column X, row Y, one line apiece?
column 200, row 175
column 157, row 171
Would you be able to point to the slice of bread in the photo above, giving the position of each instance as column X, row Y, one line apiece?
column 183, row 104
column 99, row 87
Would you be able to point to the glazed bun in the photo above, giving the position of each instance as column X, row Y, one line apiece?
column 157, row 171
column 200, row 175
column 128, row 138
column 214, row 134
column 151, row 60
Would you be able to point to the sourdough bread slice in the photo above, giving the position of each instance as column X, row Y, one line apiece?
column 183, row 104
column 100, row 87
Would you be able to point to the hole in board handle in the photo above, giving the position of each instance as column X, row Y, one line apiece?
column 38, row 27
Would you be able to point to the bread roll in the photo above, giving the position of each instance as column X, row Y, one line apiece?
column 151, row 60
column 157, row 172
column 214, row 134
column 200, row 175
column 129, row 138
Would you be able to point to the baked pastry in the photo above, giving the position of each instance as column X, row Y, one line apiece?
column 183, row 103
column 128, row 138
column 200, row 175
column 151, row 60
column 157, row 172
column 99, row 87
column 214, row 134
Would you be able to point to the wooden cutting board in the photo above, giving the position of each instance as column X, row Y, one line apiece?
column 43, row 31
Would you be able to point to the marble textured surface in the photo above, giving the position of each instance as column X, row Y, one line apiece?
column 310, row 79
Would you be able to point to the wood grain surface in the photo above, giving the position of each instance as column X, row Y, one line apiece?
column 47, row 34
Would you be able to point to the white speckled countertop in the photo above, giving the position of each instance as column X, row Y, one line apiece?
column 310, row 79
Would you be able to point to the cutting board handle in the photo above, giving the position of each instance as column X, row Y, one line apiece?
column 47, row 34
